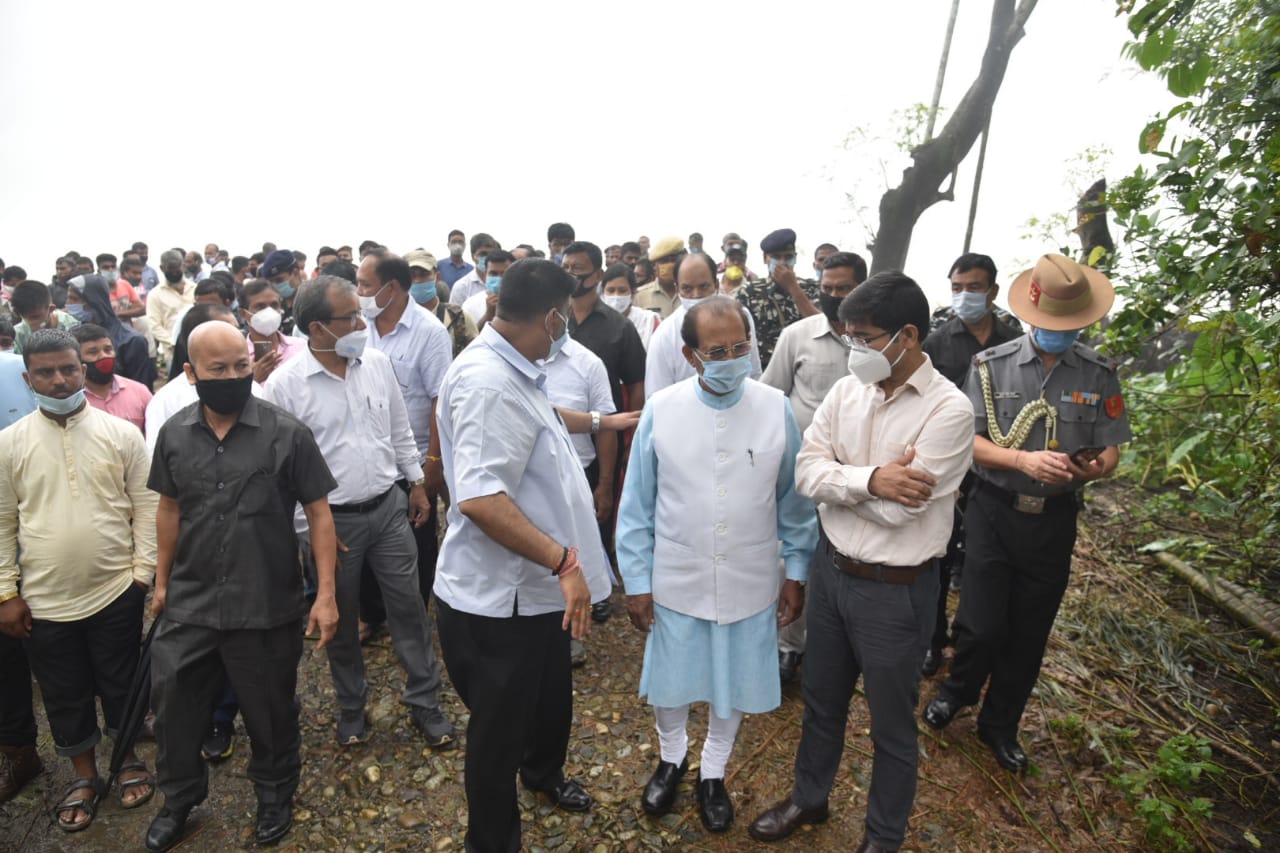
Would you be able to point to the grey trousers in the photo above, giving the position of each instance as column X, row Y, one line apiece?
column 384, row 539
column 878, row 631
column 187, row 662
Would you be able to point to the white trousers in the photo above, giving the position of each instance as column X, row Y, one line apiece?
column 673, row 739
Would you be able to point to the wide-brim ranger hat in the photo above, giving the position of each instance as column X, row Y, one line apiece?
column 1060, row 295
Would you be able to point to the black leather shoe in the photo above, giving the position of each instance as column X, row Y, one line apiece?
column 787, row 664
column 274, row 820
column 601, row 611
column 166, row 829
column 785, row 818
column 940, row 711
column 869, row 846
column 1008, row 753
column 565, row 794
column 660, row 792
column 932, row 663
column 715, row 805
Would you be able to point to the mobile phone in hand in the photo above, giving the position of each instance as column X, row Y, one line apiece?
column 1086, row 455
column 261, row 349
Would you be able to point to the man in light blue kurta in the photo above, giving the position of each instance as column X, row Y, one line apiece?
column 710, row 491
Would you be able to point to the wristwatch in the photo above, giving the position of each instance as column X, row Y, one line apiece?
column 595, row 422
column 421, row 481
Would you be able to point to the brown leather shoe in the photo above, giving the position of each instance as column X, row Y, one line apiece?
column 868, row 846
column 783, row 819
column 18, row 766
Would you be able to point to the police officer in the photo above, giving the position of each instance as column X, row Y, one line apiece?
column 782, row 297
column 972, row 326
column 1049, row 417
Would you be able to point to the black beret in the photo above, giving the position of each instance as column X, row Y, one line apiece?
column 782, row 240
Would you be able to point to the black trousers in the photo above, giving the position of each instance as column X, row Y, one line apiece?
column 262, row 666
column 951, row 563
column 76, row 661
column 513, row 675
column 1016, row 570
column 372, row 609
column 17, row 719
column 879, row 632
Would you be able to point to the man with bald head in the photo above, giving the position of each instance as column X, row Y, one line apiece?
column 709, row 493
column 230, row 469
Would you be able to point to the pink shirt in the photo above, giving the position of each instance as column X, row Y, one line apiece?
column 128, row 399
column 287, row 346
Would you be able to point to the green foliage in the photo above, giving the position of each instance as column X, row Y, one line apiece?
column 1201, row 254
column 1157, row 792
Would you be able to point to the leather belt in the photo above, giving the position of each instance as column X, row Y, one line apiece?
column 1030, row 504
column 902, row 575
column 367, row 506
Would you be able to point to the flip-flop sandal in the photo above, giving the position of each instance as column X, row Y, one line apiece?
column 125, row 784
column 88, row 805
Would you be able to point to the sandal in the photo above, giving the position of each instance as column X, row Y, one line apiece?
column 369, row 632
column 126, row 784
column 88, row 805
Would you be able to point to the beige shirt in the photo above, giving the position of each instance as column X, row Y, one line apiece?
column 654, row 298
column 163, row 306
column 855, row 430
column 75, row 500
column 807, row 361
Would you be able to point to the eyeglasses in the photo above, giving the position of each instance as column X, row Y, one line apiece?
column 350, row 318
column 738, row 350
column 861, row 342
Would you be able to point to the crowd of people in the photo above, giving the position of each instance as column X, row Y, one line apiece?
column 783, row 474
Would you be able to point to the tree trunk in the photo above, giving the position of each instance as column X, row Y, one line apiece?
column 1091, row 226
column 933, row 161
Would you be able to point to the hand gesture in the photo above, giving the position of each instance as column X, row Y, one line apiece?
column 898, row 482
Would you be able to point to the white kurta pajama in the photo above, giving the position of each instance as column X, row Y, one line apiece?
column 710, row 491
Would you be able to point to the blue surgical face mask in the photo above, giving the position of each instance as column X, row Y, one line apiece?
column 774, row 263
column 725, row 377
column 77, row 310
column 969, row 307
column 493, row 283
column 423, row 292
column 63, row 406
column 1054, row 343
column 557, row 344
column 285, row 289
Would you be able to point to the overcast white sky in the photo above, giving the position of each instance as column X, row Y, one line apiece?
column 319, row 122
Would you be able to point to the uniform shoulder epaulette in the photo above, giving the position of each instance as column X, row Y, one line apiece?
column 1092, row 355
column 1006, row 348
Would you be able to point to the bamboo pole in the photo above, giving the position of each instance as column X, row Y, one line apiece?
column 1242, row 605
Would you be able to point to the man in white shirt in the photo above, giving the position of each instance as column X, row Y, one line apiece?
column 521, row 561
column 420, row 352
column 883, row 459
column 665, row 363
column 350, row 398
column 473, row 282
column 480, row 306
column 808, row 359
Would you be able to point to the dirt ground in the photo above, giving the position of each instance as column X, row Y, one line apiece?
column 393, row 794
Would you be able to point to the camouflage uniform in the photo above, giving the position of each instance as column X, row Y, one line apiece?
column 773, row 310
